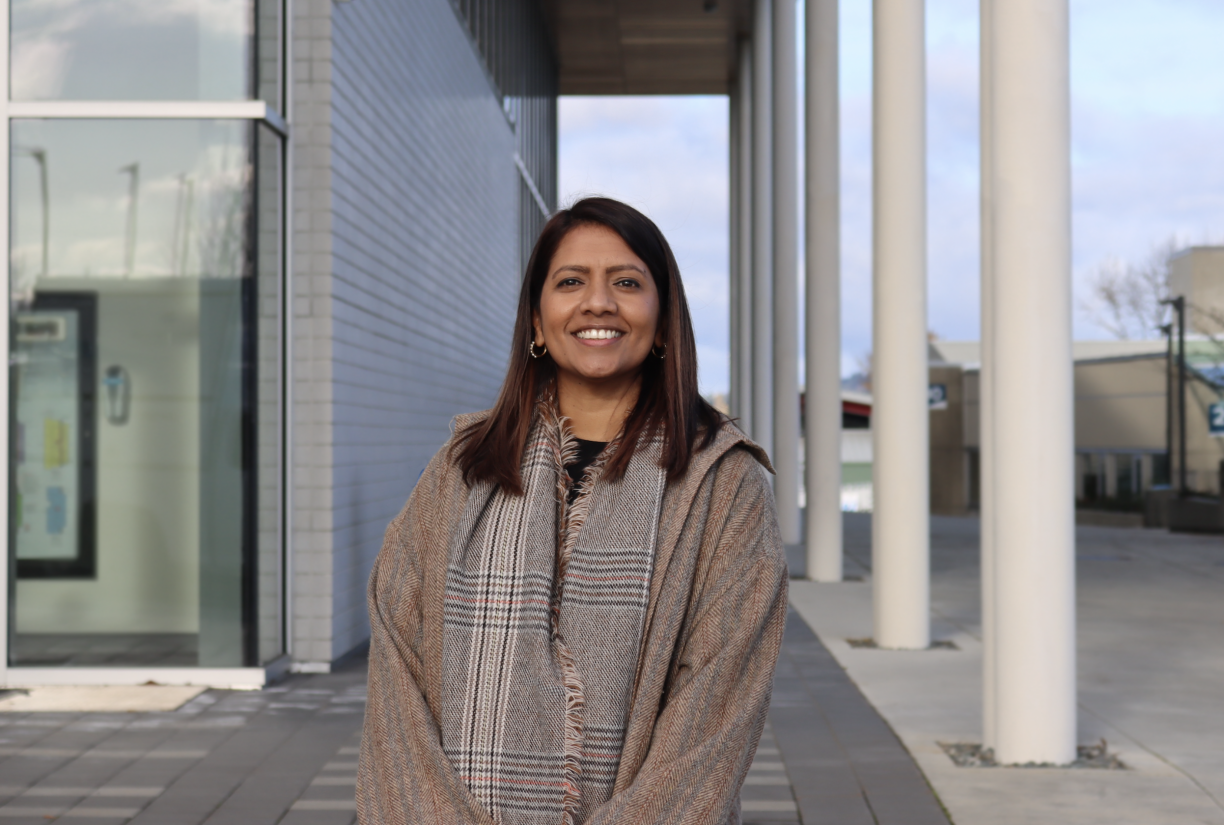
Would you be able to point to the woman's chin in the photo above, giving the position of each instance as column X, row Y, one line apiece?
column 601, row 373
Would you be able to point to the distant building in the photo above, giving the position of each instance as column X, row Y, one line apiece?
column 1121, row 435
column 1197, row 274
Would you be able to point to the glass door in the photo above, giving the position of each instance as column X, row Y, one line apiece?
column 146, row 294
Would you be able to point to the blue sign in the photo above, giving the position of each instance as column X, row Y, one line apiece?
column 937, row 396
column 1215, row 419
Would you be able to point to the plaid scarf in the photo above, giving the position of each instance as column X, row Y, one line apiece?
column 545, row 608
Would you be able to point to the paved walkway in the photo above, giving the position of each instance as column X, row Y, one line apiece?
column 1151, row 677
column 1151, row 655
column 288, row 755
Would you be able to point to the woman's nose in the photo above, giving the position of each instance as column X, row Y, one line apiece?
column 598, row 298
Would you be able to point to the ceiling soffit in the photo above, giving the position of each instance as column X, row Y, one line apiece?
column 635, row 47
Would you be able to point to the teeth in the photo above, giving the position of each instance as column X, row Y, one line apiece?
column 599, row 334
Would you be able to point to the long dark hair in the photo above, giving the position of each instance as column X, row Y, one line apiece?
column 668, row 403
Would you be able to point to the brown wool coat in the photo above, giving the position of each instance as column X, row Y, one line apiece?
column 713, row 630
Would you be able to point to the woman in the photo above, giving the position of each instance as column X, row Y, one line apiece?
column 577, row 615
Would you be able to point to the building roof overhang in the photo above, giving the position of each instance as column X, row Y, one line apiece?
column 646, row 47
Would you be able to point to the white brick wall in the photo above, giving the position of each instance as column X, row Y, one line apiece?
column 406, row 275
column 312, row 367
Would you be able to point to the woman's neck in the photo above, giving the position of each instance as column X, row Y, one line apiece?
column 596, row 411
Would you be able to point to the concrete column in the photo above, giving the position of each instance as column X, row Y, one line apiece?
column 1110, row 461
column 900, row 419
column 822, row 314
column 786, row 268
column 734, row 273
column 1034, row 542
column 986, row 383
column 743, row 307
column 762, row 226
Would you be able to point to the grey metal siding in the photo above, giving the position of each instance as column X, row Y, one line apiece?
column 412, row 318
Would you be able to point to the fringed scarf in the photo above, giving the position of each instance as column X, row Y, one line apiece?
column 545, row 607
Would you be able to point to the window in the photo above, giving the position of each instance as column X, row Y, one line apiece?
column 146, row 291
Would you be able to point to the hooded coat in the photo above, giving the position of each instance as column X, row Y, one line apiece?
column 713, row 629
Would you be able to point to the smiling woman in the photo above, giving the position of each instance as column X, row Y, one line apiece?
column 599, row 265
column 576, row 617
column 599, row 319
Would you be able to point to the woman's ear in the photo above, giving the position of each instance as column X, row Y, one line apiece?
column 537, row 336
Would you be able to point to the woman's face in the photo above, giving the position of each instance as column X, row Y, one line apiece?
column 599, row 309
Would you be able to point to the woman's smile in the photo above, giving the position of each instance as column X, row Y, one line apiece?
column 599, row 337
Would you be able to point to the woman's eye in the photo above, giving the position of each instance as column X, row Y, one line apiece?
column 569, row 282
column 627, row 282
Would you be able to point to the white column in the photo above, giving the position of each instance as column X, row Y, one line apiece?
column 1111, row 475
column 822, row 314
column 762, row 227
column 899, row 420
column 986, row 448
column 734, row 273
column 786, row 268
column 1034, row 543
column 743, row 308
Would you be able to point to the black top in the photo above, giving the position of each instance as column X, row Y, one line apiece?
column 588, row 451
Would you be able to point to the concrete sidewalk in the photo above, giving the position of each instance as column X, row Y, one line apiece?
column 1151, row 683
column 287, row 755
column 1151, row 665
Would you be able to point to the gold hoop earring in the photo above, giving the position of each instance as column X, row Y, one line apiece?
column 659, row 355
column 531, row 349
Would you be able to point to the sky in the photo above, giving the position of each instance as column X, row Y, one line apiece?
column 1147, row 89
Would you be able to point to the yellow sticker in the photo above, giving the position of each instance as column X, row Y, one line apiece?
column 55, row 443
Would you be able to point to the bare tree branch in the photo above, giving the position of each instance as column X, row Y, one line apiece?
column 1125, row 298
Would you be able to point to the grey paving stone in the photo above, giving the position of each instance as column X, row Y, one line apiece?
column 845, row 765
column 285, row 775
column 298, row 817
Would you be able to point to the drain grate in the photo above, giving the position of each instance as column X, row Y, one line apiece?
column 972, row 755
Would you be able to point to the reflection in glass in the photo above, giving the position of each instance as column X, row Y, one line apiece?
column 159, row 228
column 144, row 50
column 53, row 377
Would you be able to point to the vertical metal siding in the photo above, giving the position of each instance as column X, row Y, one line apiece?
column 417, row 218
column 513, row 42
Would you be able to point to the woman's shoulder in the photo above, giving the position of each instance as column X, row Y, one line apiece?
column 464, row 420
column 731, row 452
column 730, row 488
column 443, row 469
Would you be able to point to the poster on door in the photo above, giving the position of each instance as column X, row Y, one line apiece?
column 46, row 443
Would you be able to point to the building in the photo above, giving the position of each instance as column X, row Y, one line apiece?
column 1197, row 274
column 1122, row 427
column 260, row 252
column 250, row 242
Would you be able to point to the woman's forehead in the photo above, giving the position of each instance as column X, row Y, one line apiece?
column 591, row 246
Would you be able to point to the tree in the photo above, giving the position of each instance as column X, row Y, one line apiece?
column 1125, row 298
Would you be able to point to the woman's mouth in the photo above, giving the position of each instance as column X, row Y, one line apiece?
column 598, row 334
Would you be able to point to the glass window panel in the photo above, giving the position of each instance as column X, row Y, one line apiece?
column 145, row 277
column 145, row 50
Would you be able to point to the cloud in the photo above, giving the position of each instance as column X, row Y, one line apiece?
column 1147, row 120
column 1147, row 106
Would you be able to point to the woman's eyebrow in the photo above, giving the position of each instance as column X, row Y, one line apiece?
column 586, row 270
